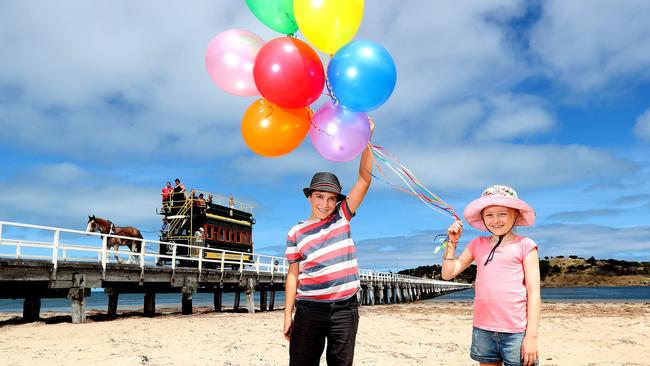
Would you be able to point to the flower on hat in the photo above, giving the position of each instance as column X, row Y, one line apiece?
column 497, row 190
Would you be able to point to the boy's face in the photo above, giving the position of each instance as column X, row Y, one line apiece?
column 499, row 219
column 322, row 204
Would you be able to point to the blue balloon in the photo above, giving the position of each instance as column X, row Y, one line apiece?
column 362, row 75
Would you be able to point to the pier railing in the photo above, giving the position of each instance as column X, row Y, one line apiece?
column 26, row 241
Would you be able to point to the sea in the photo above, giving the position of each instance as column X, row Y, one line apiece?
column 640, row 294
column 99, row 301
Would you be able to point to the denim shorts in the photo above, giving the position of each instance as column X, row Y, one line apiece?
column 488, row 346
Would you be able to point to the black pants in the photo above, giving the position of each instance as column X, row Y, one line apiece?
column 314, row 322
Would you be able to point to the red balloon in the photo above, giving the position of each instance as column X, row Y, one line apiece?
column 289, row 73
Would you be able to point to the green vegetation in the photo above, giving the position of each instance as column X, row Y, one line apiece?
column 561, row 271
column 434, row 272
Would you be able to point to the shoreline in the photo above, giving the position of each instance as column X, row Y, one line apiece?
column 168, row 308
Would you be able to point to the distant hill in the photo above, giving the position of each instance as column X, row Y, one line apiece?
column 566, row 272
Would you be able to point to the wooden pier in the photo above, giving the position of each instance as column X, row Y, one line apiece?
column 44, row 262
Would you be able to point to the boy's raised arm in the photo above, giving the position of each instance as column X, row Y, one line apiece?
column 360, row 187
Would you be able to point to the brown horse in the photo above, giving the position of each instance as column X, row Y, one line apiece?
column 107, row 227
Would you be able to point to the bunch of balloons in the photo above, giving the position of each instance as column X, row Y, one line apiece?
column 289, row 75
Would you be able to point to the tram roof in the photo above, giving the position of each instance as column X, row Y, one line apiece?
column 222, row 200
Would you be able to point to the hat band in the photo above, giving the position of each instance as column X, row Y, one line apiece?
column 325, row 186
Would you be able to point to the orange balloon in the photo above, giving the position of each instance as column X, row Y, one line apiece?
column 270, row 130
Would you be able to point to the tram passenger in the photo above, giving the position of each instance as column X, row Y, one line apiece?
column 323, row 277
column 199, row 237
column 164, row 229
column 166, row 195
column 200, row 204
column 178, row 196
column 180, row 187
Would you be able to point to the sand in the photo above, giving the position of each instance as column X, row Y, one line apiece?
column 405, row 334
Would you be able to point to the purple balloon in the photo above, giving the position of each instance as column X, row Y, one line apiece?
column 339, row 134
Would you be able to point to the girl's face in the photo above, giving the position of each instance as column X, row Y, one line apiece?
column 499, row 219
column 322, row 204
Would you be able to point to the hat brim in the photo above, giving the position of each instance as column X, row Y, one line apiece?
column 308, row 191
column 473, row 211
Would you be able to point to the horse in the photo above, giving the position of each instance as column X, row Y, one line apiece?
column 107, row 227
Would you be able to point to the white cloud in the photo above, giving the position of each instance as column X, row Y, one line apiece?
column 460, row 166
column 115, row 80
column 642, row 127
column 592, row 240
column 514, row 116
column 444, row 51
column 589, row 44
column 480, row 165
column 65, row 194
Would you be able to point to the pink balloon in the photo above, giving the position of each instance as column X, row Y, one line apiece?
column 339, row 134
column 230, row 58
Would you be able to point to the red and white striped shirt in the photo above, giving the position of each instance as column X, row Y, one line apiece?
column 326, row 255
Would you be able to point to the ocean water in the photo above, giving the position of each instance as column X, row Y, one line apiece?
column 99, row 301
column 573, row 294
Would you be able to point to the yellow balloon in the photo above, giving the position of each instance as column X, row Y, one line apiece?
column 328, row 24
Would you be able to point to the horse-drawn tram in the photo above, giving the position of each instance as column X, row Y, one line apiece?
column 220, row 224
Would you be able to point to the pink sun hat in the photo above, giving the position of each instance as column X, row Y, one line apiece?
column 498, row 196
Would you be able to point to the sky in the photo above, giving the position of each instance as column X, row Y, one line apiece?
column 101, row 103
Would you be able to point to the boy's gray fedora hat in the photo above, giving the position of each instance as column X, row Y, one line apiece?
column 325, row 182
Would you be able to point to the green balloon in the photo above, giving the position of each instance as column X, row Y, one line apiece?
column 275, row 14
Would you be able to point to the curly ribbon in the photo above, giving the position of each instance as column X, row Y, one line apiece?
column 328, row 86
column 443, row 240
column 413, row 186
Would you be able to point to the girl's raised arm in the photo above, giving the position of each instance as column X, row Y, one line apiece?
column 451, row 265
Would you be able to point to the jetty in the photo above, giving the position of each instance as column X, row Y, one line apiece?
column 38, row 262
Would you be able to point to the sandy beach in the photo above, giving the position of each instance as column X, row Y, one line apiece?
column 404, row 334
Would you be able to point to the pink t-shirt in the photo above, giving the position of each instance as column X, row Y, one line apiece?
column 500, row 289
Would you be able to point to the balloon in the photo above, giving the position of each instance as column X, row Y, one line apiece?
column 270, row 130
column 230, row 58
column 275, row 14
column 362, row 75
column 289, row 73
column 339, row 134
column 328, row 24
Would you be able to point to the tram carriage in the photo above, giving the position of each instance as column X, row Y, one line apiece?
column 227, row 225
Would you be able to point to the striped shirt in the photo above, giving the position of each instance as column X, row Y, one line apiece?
column 326, row 255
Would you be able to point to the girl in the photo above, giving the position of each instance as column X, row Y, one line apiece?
column 507, row 300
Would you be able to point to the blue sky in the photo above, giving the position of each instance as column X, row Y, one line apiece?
column 102, row 102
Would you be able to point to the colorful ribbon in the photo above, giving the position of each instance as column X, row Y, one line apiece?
column 413, row 186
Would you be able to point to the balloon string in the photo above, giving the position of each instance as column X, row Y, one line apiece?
column 330, row 92
column 413, row 185
column 263, row 108
column 315, row 127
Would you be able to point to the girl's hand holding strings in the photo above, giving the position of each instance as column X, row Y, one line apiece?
column 454, row 232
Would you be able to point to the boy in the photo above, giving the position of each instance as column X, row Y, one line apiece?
column 323, row 277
